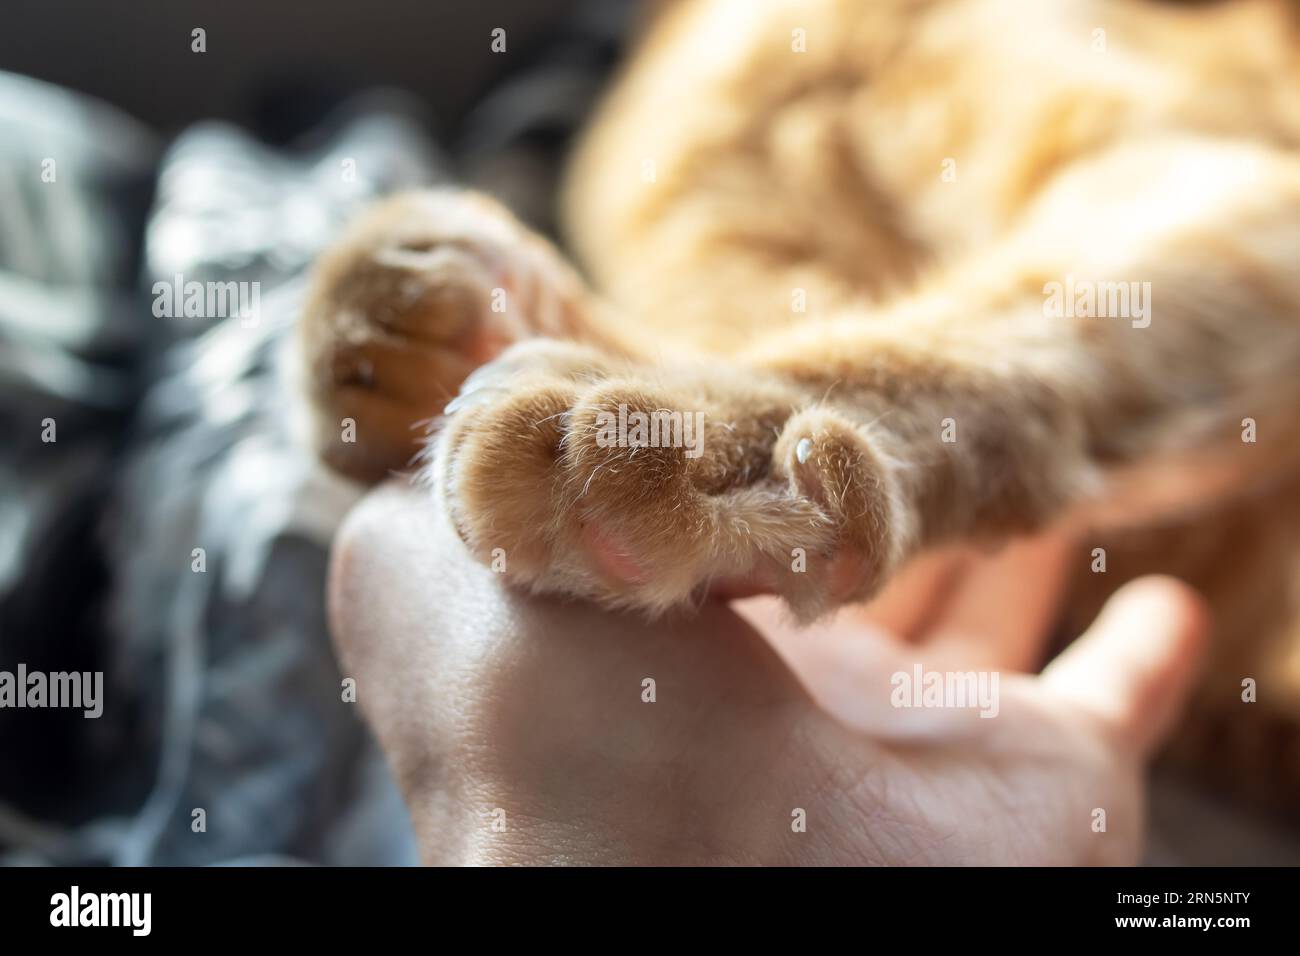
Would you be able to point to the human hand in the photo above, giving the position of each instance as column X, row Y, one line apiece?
column 519, row 729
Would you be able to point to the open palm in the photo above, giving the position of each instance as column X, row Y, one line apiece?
column 535, row 731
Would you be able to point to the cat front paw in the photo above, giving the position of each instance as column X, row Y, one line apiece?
column 421, row 290
column 639, row 487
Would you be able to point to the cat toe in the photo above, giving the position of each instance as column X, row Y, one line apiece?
column 828, row 459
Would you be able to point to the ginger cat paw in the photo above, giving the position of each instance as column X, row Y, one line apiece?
column 575, row 473
column 421, row 290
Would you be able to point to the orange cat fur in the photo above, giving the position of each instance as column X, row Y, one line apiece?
column 835, row 228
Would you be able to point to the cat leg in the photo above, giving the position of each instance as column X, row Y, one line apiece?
column 418, row 292
column 1143, row 320
column 972, row 409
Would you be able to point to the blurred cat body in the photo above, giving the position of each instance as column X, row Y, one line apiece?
column 844, row 232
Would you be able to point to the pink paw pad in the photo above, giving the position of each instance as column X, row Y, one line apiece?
column 614, row 557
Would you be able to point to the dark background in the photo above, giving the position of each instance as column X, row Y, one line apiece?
column 262, row 55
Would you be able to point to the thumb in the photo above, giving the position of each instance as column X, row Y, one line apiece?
column 1134, row 668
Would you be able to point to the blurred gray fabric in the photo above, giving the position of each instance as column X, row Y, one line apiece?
column 235, row 702
column 175, row 533
column 249, row 681
column 74, row 185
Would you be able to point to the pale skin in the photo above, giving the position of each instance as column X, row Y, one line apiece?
column 518, row 730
